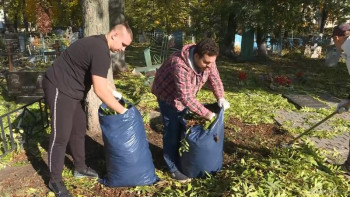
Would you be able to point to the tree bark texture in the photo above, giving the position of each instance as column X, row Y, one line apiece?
column 96, row 21
column 116, row 12
column 116, row 16
column 324, row 16
column 227, row 46
column 261, row 42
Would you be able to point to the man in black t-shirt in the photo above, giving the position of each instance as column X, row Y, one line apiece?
column 66, row 83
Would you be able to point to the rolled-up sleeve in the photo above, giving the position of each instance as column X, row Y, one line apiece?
column 215, row 82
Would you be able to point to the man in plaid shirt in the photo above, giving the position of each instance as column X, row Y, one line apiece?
column 176, row 84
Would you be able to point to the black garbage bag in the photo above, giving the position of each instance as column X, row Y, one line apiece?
column 128, row 158
column 205, row 154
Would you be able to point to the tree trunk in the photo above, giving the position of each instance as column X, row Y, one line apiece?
column 116, row 12
column 227, row 46
column 96, row 21
column 116, row 16
column 15, row 23
column 261, row 42
column 25, row 22
column 324, row 16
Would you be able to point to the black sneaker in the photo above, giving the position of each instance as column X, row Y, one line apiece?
column 180, row 177
column 59, row 189
column 87, row 172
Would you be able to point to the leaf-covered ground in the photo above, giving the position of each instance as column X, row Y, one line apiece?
column 254, row 162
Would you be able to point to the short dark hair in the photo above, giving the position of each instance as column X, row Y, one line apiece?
column 127, row 27
column 206, row 46
column 340, row 30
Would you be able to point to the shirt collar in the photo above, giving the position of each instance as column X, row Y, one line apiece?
column 191, row 61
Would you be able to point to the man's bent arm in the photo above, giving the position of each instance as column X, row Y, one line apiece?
column 104, row 92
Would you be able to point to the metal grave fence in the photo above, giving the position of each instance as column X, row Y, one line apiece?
column 18, row 125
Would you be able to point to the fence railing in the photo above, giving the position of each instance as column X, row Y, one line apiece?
column 19, row 124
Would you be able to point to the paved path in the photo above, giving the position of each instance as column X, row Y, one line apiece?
column 337, row 146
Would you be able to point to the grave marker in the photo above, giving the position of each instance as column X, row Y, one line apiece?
column 25, row 86
column 303, row 100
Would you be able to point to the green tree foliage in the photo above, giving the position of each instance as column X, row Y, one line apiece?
column 15, row 11
column 61, row 12
column 224, row 18
column 167, row 15
column 66, row 12
column 331, row 10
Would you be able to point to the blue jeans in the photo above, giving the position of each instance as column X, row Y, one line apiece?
column 171, row 134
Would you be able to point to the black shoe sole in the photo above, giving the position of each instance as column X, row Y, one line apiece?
column 78, row 175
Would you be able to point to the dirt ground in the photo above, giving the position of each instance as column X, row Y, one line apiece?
column 28, row 174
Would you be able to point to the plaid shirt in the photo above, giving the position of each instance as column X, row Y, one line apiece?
column 177, row 83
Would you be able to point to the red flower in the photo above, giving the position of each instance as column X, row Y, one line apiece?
column 242, row 76
column 282, row 80
column 299, row 74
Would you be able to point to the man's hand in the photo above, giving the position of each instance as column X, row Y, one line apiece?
column 343, row 106
column 117, row 95
column 223, row 103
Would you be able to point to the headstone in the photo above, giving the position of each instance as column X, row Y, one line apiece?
column 60, row 32
column 317, row 52
column 330, row 99
column 307, row 51
column 25, row 83
column 178, row 37
column 302, row 100
column 332, row 56
column 21, row 43
column 73, row 37
column 247, row 45
column 142, row 38
column 80, row 33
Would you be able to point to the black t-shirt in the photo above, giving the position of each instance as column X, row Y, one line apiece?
column 72, row 71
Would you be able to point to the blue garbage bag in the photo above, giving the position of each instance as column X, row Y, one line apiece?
column 128, row 158
column 205, row 153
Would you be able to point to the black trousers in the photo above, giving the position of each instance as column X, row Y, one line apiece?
column 68, row 127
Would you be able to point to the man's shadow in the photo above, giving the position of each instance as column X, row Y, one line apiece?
column 93, row 150
column 156, row 125
column 95, row 157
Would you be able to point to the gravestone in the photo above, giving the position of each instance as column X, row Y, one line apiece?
column 330, row 99
column 26, row 86
column 247, row 45
column 73, row 37
column 178, row 37
column 303, row 100
column 332, row 56
column 21, row 43
column 317, row 52
column 307, row 51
